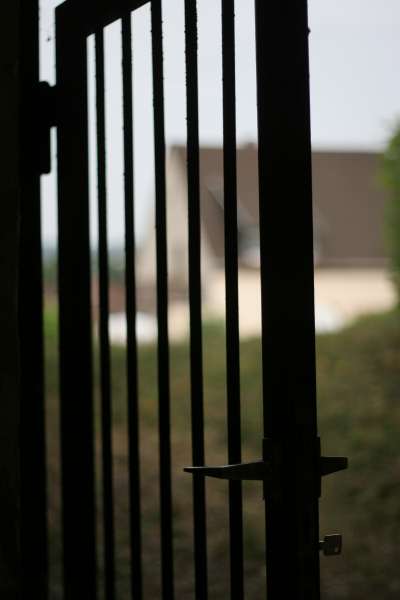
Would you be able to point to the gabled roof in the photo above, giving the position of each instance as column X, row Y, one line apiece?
column 348, row 202
column 212, row 191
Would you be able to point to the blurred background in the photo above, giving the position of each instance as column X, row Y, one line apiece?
column 355, row 113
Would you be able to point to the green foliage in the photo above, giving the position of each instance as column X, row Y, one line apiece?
column 391, row 180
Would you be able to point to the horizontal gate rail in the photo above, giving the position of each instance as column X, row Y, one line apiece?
column 95, row 14
column 130, row 290
column 196, row 343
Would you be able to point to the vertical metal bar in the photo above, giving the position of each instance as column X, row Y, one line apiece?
column 130, row 290
column 33, row 443
column 232, row 295
column 162, row 305
column 105, row 368
column 196, row 343
column 288, row 338
column 77, row 427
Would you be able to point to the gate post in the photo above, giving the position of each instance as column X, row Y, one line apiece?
column 23, row 540
column 10, row 559
column 30, row 315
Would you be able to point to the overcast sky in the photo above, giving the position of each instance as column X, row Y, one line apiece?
column 355, row 87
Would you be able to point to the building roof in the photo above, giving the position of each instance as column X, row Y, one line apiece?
column 349, row 206
column 348, row 203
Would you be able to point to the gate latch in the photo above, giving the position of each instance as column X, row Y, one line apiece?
column 253, row 471
column 269, row 470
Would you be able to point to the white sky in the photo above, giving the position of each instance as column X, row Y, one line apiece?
column 355, row 87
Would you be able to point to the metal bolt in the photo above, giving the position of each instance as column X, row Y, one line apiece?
column 331, row 544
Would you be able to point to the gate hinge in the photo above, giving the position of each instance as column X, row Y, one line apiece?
column 46, row 119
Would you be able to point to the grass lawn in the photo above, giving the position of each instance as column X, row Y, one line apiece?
column 359, row 416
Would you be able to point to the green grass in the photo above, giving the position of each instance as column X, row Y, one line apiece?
column 359, row 407
column 359, row 416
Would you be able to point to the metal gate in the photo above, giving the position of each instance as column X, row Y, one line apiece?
column 290, row 464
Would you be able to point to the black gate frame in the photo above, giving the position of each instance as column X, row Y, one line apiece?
column 291, row 449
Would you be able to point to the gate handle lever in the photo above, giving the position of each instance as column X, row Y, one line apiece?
column 273, row 469
column 253, row 471
column 262, row 470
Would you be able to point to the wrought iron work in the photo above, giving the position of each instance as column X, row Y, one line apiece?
column 291, row 467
